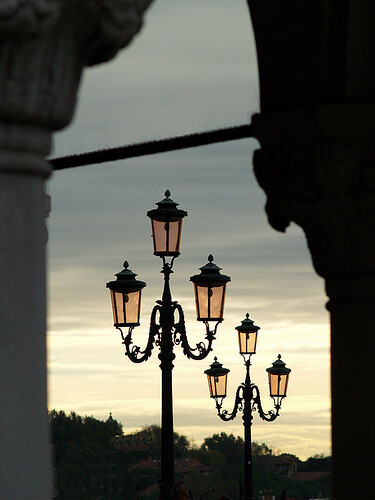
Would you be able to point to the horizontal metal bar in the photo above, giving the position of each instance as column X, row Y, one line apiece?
column 152, row 147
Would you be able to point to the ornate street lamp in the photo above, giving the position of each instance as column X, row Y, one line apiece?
column 166, row 222
column 217, row 379
column 167, row 324
column 247, row 336
column 248, row 394
column 278, row 377
column 126, row 294
column 209, row 289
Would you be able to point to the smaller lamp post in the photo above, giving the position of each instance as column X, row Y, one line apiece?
column 248, row 394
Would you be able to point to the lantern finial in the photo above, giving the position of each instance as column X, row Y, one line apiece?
column 167, row 193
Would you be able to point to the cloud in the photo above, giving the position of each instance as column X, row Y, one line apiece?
column 193, row 68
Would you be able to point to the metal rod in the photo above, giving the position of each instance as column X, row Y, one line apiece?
column 152, row 147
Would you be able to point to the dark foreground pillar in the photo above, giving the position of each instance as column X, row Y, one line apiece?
column 317, row 166
column 44, row 46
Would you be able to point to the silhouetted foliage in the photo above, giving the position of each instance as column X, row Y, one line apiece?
column 149, row 438
column 83, row 455
column 319, row 463
column 94, row 460
column 230, row 447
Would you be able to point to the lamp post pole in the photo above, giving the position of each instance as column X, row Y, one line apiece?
column 167, row 324
column 247, row 418
column 248, row 395
column 166, row 356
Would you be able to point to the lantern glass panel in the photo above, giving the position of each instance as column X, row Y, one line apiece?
column 278, row 384
column 126, row 307
column 216, row 294
column 167, row 235
column 175, row 230
column 247, row 342
column 159, row 235
column 217, row 385
column 283, row 385
column 210, row 301
column 201, row 301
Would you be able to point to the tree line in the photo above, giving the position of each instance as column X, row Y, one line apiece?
column 95, row 460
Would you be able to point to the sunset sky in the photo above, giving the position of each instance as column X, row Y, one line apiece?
column 192, row 68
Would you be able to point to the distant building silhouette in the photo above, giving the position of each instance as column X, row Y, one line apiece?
column 285, row 465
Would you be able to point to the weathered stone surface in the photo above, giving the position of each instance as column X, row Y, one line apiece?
column 314, row 53
column 317, row 167
column 44, row 46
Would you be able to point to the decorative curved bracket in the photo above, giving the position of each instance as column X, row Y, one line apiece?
column 134, row 352
column 257, row 405
column 168, row 265
column 238, row 405
column 180, row 337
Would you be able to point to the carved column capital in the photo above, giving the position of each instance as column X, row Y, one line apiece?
column 44, row 46
column 317, row 167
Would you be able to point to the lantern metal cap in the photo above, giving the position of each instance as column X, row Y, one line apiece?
column 216, row 369
column 167, row 207
column 278, row 367
column 210, row 272
column 125, row 280
column 247, row 325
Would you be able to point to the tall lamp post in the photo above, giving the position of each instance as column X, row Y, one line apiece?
column 248, row 394
column 167, row 324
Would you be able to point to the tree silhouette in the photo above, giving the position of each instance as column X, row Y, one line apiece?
column 94, row 460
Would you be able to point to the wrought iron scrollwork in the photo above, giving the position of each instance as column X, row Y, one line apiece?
column 242, row 398
column 180, row 337
column 238, row 406
column 270, row 416
column 134, row 352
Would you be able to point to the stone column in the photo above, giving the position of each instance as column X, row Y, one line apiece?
column 317, row 167
column 44, row 46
